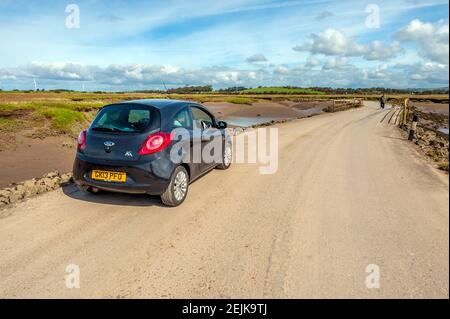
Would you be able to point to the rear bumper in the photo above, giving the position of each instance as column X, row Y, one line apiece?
column 141, row 177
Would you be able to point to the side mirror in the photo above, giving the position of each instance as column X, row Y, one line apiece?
column 221, row 125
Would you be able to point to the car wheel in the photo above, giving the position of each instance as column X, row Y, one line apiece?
column 177, row 190
column 227, row 157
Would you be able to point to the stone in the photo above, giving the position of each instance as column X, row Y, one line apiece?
column 19, row 191
column 65, row 178
column 13, row 198
column 52, row 174
column 49, row 183
column 4, row 200
column 5, row 192
column 31, row 188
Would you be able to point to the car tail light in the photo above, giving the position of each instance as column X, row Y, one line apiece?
column 156, row 142
column 82, row 141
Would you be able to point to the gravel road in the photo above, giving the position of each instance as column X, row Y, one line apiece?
column 349, row 192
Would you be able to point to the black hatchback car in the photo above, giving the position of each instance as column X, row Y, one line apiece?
column 150, row 146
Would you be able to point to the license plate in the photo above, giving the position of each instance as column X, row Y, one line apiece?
column 109, row 176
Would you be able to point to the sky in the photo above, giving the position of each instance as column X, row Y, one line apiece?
column 136, row 45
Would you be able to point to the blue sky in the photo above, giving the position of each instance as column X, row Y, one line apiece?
column 132, row 45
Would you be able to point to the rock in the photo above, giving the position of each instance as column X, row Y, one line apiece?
column 41, row 188
column 52, row 174
column 31, row 188
column 13, row 198
column 5, row 192
column 49, row 183
column 58, row 181
column 19, row 191
column 65, row 178
column 4, row 200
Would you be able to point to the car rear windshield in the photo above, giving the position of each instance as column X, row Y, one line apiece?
column 127, row 118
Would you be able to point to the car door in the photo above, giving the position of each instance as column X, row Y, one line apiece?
column 183, row 120
column 204, row 131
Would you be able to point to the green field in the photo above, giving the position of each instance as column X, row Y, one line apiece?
column 281, row 90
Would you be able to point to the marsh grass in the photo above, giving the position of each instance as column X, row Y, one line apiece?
column 282, row 90
column 67, row 112
column 239, row 100
column 61, row 116
column 62, row 119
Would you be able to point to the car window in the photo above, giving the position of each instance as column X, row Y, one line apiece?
column 126, row 118
column 182, row 119
column 200, row 116
column 134, row 116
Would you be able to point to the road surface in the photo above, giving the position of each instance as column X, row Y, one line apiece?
column 349, row 193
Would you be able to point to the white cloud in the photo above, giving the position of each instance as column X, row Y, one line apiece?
column 422, row 74
column 337, row 63
column 335, row 71
column 432, row 39
column 281, row 70
column 256, row 58
column 312, row 61
column 332, row 42
column 56, row 70
column 377, row 50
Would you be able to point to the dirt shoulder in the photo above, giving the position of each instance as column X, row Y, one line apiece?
column 34, row 157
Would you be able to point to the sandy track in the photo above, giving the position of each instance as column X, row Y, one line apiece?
column 348, row 192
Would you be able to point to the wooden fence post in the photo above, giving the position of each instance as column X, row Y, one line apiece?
column 405, row 112
column 412, row 130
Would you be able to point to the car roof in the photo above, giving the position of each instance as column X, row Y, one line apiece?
column 158, row 103
column 167, row 107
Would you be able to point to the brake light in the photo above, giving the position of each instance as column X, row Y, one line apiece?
column 82, row 141
column 156, row 142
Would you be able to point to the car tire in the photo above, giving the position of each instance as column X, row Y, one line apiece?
column 227, row 156
column 177, row 190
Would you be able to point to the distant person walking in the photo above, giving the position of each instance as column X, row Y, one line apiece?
column 382, row 101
